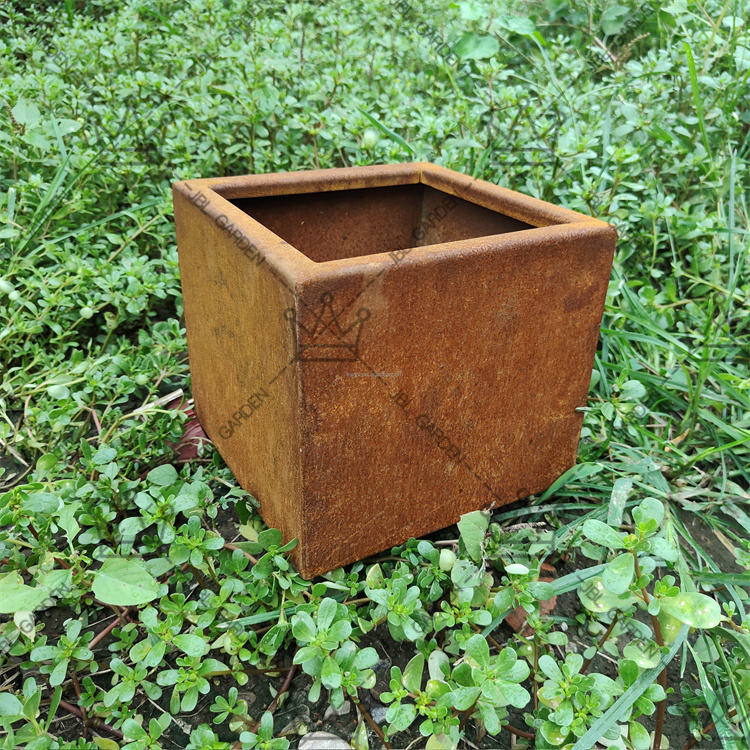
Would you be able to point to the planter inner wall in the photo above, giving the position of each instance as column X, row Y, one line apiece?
column 352, row 223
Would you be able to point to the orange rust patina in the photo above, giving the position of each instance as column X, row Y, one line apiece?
column 376, row 350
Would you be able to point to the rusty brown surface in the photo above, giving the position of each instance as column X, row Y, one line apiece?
column 375, row 351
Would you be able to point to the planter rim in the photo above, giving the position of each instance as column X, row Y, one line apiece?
column 548, row 221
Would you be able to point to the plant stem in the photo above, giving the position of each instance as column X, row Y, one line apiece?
column 100, row 725
column 84, row 715
column 489, row 637
column 371, row 722
column 601, row 642
column 105, row 632
column 253, row 560
column 519, row 732
column 536, row 672
column 284, row 687
column 467, row 714
column 661, row 705
column 198, row 577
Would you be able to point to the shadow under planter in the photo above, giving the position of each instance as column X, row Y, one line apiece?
column 377, row 350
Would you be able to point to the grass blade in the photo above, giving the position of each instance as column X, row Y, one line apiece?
column 696, row 96
column 630, row 696
column 718, row 714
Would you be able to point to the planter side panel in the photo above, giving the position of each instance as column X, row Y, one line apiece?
column 239, row 342
column 471, row 367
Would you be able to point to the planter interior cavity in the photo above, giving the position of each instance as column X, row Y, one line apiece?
column 377, row 350
column 354, row 223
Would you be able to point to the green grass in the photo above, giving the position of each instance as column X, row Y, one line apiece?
column 633, row 113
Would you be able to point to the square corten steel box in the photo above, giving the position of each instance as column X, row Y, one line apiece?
column 377, row 350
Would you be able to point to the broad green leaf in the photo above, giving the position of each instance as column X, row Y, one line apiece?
column 620, row 492
column 598, row 599
column 133, row 730
column 46, row 464
column 359, row 739
column 541, row 590
column 26, row 113
column 618, row 575
column 104, row 743
column 58, row 392
column 400, row 716
column 326, row 613
column 67, row 522
column 645, row 653
column 366, row 658
column 612, row 21
column 440, row 742
column 192, row 645
column 41, row 502
column 628, row 671
column 670, row 626
column 516, row 695
column 705, row 649
column 662, row 548
column 163, row 476
column 473, row 527
column 473, row 47
column 412, row 677
column 563, row 714
column 435, row 663
column 339, row 632
column 552, row 733
column 639, row 736
column 632, row 390
column 549, row 666
column 303, row 627
column 269, row 538
column 273, row 639
column 16, row 596
column 479, row 650
column 692, row 608
column 650, row 507
column 601, row 533
column 465, row 574
column 517, row 24
column 742, row 57
column 504, row 599
column 464, row 697
column 10, row 706
column 330, row 674
column 124, row 583
column 104, row 455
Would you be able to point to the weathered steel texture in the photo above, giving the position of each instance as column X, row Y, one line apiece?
column 375, row 351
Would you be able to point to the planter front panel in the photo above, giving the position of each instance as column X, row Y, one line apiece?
column 403, row 389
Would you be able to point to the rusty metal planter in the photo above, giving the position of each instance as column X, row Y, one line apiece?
column 375, row 351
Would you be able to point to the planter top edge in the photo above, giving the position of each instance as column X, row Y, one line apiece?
column 525, row 208
column 549, row 222
column 310, row 181
column 477, row 246
column 534, row 211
